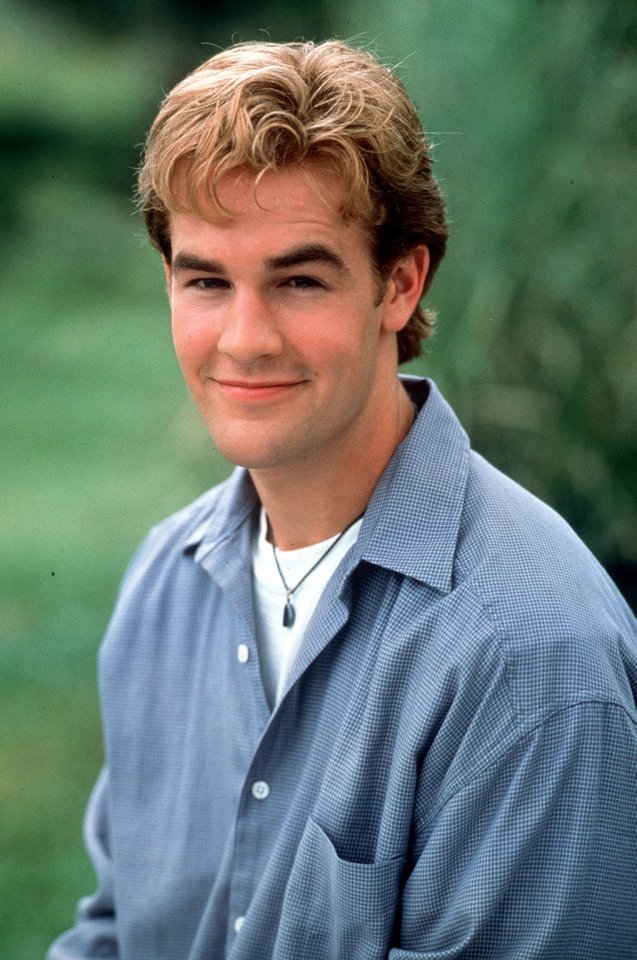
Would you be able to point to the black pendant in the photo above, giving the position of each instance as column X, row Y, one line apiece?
column 289, row 614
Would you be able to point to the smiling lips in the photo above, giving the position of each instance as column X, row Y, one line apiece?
column 255, row 391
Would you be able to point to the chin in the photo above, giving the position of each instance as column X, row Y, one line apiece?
column 252, row 446
column 253, row 456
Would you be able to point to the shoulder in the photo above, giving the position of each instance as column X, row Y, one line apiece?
column 167, row 583
column 565, row 633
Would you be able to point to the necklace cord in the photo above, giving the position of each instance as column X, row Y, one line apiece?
column 289, row 613
column 290, row 590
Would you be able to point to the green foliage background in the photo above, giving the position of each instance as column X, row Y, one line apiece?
column 533, row 109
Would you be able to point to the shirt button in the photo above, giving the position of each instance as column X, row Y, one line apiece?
column 239, row 923
column 243, row 654
column 260, row 790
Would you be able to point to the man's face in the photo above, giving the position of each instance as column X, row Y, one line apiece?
column 278, row 323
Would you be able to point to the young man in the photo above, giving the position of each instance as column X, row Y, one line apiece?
column 367, row 698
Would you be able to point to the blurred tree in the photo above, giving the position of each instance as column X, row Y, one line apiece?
column 537, row 342
column 194, row 18
column 82, row 89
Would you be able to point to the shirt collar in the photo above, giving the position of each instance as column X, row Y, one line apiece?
column 412, row 522
column 235, row 501
column 413, row 519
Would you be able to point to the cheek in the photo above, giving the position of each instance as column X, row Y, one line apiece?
column 340, row 336
column 192, row 340
column 182, row 344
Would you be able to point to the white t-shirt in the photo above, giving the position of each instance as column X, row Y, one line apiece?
column 279, row 645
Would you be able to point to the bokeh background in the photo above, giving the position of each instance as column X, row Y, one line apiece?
column 533, row 109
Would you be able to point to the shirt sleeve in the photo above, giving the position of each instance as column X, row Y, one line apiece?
column 536, row 857
column 94, row 934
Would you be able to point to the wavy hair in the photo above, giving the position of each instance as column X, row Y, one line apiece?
column 265, row 106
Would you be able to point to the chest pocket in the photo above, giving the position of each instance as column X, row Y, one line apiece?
column 335, row 908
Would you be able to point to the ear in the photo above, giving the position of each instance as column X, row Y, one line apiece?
column 404, row 288
column 169, row 276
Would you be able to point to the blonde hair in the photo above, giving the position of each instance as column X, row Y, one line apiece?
column 266, row 106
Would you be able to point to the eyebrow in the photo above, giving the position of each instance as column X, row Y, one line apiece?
column 307, row 253
column 189, row 261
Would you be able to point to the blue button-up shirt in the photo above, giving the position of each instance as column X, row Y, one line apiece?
column 452, row 771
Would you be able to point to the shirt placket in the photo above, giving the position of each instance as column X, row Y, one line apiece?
column 255, row 829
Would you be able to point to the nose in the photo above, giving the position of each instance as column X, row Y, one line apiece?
column 249, row 329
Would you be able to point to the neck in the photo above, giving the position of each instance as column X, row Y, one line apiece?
column 308, row 503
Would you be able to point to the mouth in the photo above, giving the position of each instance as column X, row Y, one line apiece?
column 256, row 390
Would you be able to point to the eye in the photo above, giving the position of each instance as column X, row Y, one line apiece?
column 208, row 283
column 304, row 283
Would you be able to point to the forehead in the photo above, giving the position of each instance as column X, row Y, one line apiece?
column 311, row 189
column 272, row 203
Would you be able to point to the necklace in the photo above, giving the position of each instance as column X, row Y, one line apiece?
column 289, row 613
